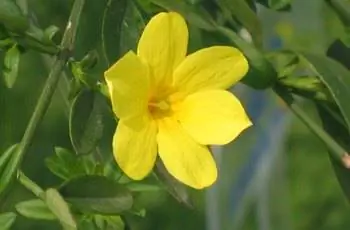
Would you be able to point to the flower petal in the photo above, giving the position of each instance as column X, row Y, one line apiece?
column 188, row 161
column 216, row 67
column 128, row 85
column 163, row 45
column 213, row 117
column 135, row 147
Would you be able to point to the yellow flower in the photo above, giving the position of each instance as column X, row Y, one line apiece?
column 174, row 105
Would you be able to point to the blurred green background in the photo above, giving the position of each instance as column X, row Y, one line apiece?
column 301, row 191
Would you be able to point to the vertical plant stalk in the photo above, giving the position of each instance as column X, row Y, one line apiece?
column 66, row 47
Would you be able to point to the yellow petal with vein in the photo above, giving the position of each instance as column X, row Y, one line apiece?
column 128, row 85
column 186, row 160
column 163, row 45
column 216, row 67
column 213, row 117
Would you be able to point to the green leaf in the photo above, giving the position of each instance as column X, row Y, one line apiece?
column 335, row 76
column 174, row 187
column 85, row 122
column 337, row 79
column 194, row 14
column 245, row 15
column 109, row 222
column 111, row 27
column 342, row 8
column 67, row 165
column 35, row 209
column 8, row 167
column 60, row 209
column 97, row 195
column 7, row 220
column 143, row 187
column 131, row 29
column 341, row 134
column 11, row 64
column 280, row 5
column 12, row 17
column 261, row 74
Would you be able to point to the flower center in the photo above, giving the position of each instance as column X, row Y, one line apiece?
column 159, row 108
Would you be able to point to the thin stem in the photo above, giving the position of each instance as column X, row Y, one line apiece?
column 49, row 87
column 338, row 152
column 30, row 185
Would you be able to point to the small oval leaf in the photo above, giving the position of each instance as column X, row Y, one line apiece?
column 85, row 122
column 35, row 209
column 97, row 195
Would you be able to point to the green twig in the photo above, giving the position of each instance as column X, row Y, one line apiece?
column 338, row 152
column 49, row 88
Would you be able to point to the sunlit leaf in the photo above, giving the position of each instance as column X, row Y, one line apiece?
column 7, row 220
column 97, row 195
column 35, row 209
column 109, row 222
column 60, row 209
column 67, row 165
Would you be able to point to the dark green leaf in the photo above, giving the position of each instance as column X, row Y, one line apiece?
column 35, row 209
column 281, row 5
column 131, row 29
column 342, row 8
column 174, row 187
column 341, row 134
column 245, row 15
column 89, row 33
column 194, row 14
column 11, row 64
column 337, row 78
column 60, row 209
column 12, row 17
column 98, row 195
column 67, row 165
column 111, row 28
column 85, row 122
column 7, row 220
